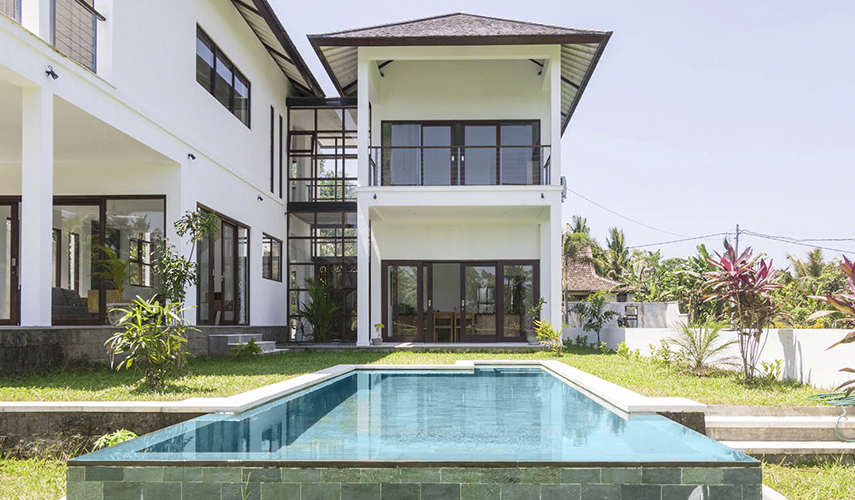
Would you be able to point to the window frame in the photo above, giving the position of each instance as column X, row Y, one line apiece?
column 267, row 265
column 236, row 74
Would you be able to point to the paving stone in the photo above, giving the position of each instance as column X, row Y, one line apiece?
column 86, row 491
column 320, row 491
column 539, row 475
column 75, row 474
column 419, row 474
column 340, row 475
column 183, row 474
column 501, row 476
column 601, row 491
column 520, row 491
column 242, row 491
column 683, row 492
column 280, row 491
column 580, row 476
column 741, row 475
column 122, row 491
column 105, row 473
column 359, row 491
column 390, row 475
column 398, row 491
column 200, row 491
column 641, row 491
column 698, row 475
column 724, row 492
column 261, row 475
column 440, row 491
column 300, row 475
column 560, row 492
column 220, row 474
column 144, row 474
column 161, row 491
column 460, row 475
column 661, row 475
column 480, row 491
column 619, row 475
column 752, row 491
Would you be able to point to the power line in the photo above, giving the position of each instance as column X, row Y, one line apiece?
column 681, row 240
column 625, row 217
column 794, row 242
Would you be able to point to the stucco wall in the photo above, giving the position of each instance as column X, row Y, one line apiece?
column 650, row 314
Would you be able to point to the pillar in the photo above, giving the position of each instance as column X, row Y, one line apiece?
column 36, row 17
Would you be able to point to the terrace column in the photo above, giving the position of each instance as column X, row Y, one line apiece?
column 36, row 17
column 363, row 280
column 36, row 205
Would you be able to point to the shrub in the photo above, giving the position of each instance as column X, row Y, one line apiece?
column 603, row 348
column 698, row 346
column 549, row 336
column 175, row 270
column 623, row 350
column 154, row 340
column 662, row 353
column 773, row 369
column 113, row 438
column 843, row 303
column 596, row 315
column 246, row 349
column 319, row 309
column 581, row 341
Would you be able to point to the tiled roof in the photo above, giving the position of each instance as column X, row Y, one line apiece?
column 580, row 275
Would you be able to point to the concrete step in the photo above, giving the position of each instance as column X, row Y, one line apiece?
column 741, row 428
column 219, row 343
column 771, row 411
column 796, row 451
column 265, row 345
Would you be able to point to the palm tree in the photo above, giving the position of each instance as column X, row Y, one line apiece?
column 576, row 238
column 810, row 268
column 615, row 259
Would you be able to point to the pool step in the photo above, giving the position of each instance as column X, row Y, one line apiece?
column 781, row 429
column 796, row 451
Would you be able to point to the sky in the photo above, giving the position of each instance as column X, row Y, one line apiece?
column 700, row 115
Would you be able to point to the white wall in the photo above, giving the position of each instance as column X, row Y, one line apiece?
column 803, row 351
column 457, row 242
column 650, row 314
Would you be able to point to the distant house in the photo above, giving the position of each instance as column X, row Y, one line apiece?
column 581, row 280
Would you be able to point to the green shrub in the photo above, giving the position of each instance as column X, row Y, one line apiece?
column 319, row 309
column 624, row 351
column 113, row 438
column 154, row 340
column 549, row 336
column 698, row 346
column 246, row 349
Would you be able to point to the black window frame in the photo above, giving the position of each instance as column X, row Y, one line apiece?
column 236, row 74
column 267, row 261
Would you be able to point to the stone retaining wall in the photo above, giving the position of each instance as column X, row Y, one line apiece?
column 33, row 349
column 414, row 483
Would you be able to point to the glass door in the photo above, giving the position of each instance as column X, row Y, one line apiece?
column 76, row 297
column 9, row 236
column 223, row 276
column 479, row 312
column 405, row 301
column 519, row 295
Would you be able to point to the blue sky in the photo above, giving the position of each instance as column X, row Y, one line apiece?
column 700, row 115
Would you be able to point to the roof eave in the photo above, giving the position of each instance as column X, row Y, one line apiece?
column 585, row 80
column 405, row 41
column 327, row 67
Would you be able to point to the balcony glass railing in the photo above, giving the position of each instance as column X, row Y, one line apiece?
column 460, row 165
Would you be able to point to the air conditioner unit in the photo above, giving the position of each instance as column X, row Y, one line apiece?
column 563, row 188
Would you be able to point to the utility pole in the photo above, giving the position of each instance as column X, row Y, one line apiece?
column 737, row 240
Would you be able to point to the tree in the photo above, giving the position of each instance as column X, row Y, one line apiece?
column 843, row 303
column 176, row 270
column 744, row 285
column 596, row 314
column 577, row 237
column 813, row 267
column 615, row 259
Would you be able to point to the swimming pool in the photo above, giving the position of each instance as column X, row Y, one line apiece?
column 488, row 418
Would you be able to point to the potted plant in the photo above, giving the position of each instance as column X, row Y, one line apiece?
column 116, row 272
column 377, row 339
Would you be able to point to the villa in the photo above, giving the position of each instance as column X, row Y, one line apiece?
column 426, row 195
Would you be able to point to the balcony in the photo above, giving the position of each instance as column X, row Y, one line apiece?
column 460, row 165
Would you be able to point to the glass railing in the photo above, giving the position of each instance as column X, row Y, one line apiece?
column 459, row 165
column 329, row 189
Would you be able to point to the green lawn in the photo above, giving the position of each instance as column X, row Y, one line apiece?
column 210, row 377
column 44, row 479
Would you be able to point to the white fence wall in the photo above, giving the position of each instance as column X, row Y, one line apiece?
column 803, row 351
column 650, row 314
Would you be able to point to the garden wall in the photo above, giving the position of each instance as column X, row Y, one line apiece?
column 33, row 349
column 650, row 314
column 803, row 351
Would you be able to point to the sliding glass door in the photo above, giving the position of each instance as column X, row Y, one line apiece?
column 480, row 311
column 9, row 237
column 405, row 301
column 223, row 266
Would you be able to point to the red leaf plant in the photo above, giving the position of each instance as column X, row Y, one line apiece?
column 843, row 303
column 743, row 283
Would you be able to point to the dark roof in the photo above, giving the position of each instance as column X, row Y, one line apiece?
column 260, row 17
column 580, row 275
column 580, row 48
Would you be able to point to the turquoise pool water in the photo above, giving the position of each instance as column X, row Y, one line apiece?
column 485, row 415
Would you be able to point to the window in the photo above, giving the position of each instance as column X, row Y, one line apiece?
column 139, row 259
column 221, row 78
column 271, row 258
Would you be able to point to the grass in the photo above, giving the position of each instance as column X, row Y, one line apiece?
column 216, row 377
column 819, row 481
column 38, row 479
column 31, row 479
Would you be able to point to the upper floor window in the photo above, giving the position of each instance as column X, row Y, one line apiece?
column 271, row 258
column 221, row 78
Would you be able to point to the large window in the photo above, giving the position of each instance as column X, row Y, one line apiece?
column 216, row 73
column 271, row 258
column 223, row 275
column 322, row 151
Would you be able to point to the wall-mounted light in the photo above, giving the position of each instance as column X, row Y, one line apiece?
column 191, row 156
column 51, row 73
column 259, row 198
column 375, row 196
column 542, row 196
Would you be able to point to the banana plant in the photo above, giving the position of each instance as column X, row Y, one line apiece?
column 843, row 303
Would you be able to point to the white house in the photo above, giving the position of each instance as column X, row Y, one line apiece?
column 116, row 118
column 426, row 196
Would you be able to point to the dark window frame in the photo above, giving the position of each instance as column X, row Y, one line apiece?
column 236, row 73
column 267, row 260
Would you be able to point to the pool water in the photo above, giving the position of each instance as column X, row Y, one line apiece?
column 489, row 414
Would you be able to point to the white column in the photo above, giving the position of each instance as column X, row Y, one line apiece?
column 555, row 113
column 104, row 40
column 36, row 206
column 35, row 16
column 550, row 263
column 363, row 256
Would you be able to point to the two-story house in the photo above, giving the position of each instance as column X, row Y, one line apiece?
column 117, row 117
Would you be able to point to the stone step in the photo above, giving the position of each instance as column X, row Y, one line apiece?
column 796, row 451
column 771, row 411
column 265, row 345
column 778, row 428
column 219, row 343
